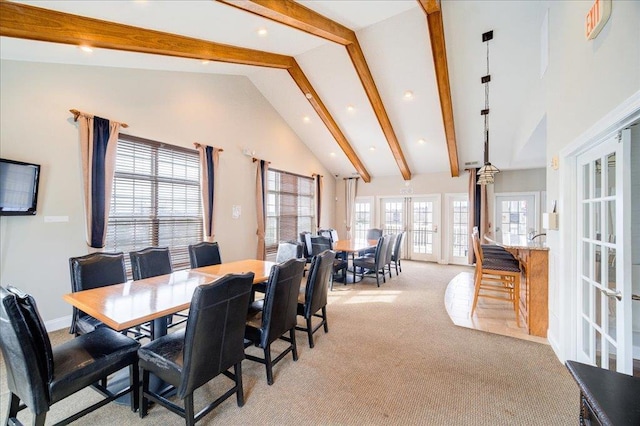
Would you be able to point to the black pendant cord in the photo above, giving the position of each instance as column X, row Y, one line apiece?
column 486, row 107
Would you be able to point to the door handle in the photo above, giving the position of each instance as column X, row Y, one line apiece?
column 612, row 294
column 635, row 297
column 435, row 228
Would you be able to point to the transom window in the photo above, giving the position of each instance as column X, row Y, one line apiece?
column 290, row 207
column 155, row 199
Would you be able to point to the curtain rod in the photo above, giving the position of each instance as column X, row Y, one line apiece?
column 77, row 114
column 196, row 144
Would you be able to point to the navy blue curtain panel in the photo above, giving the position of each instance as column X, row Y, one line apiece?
column 98, row 176
column 210, row 185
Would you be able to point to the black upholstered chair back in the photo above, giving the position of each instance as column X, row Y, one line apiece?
column 390, row 245
column 381, row 251
column 320, row 244
column 97, row 270
column 318, row 282
column 26, row 349
column 289, row 250
column 204, row 254
column 150, row 262
column 92, row 271
column 281, row 300
column 374, row 233
column 397, row 250
column 214, row 336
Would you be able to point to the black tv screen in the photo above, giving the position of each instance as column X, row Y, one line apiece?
column 18, row 188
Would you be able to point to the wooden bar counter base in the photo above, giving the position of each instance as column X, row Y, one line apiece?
column 534, row 281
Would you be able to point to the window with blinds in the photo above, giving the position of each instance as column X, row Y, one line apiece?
column 290, row 207
column 155, row 199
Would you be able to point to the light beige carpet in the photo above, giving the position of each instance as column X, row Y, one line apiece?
column 392, row 356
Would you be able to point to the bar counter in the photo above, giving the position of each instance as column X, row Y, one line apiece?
column 534, row 281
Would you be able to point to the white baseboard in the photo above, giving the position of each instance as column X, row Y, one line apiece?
column 58, row 323
column 553, row 342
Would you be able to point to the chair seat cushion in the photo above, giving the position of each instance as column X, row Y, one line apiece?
column 256, row 306
column 501, row 265
column 85, row 359
column 164, row 357
column 86, row 324
column 365, row 261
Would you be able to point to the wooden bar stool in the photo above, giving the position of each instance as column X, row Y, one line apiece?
column 496, row 278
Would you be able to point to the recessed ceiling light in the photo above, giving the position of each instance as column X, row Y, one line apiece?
column 306, row 119
column 372, row 148
column 350, row 108
column 308, row 95
column 408, row 95
column 333, row 154
column 421, row 141
column 262, row 32
column 205, row 61
column 86, row 49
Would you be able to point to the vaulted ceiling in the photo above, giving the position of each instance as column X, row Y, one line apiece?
column 338, row 72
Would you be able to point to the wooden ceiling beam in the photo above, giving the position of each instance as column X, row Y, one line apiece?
column 303, row 83
column 34, row 23
column 439, row 51
column 295, row 15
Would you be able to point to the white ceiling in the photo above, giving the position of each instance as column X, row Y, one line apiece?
column 395, row 40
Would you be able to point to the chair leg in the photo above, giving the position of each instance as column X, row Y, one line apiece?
column 39, row 419
column 324, row 318
column 12, row 410
column 477, row 282
column 400, row 265
column 134, row 384
column 310, row 332
column 144, row 387
column 268, row 365
column 377, row 279
column 237, row 369
column 189, row 413
column 294, row 347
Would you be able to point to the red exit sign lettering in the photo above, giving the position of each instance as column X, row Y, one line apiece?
column 597, row 18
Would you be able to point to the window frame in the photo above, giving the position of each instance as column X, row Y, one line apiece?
column 184, row 228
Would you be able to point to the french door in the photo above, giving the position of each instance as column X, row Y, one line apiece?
column 604, row 281
column 457, row 214
column 420, row 217
column 516, row 214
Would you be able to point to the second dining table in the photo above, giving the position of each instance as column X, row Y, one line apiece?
column 351, row 247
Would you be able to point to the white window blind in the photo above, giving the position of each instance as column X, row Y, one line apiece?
column 290, row 207
column 155, row 199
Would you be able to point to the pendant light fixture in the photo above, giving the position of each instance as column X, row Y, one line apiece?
column 488, row 170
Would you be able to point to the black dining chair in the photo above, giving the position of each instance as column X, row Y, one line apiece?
column 397, row 252
column 151, row 262
column 388, row 258
column 314, row 297
column 210, row 344
column 375, row 264
column 92, row 271
column 271, row 318
column 320, row 244
column 40, row 376
column 204, row 254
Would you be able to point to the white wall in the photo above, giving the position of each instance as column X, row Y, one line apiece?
column 176, row 108
column 585, row 80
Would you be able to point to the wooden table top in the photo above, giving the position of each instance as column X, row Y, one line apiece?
column 125, row 305
column 352, row 246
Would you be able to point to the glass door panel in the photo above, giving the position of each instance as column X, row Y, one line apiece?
column 604, row 335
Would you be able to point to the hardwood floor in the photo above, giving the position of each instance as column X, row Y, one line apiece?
column 492, row 316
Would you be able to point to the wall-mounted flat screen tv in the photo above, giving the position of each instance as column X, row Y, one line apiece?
column 18, row 188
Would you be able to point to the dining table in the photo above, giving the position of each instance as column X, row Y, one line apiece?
column 351, row 247
column 135, row 302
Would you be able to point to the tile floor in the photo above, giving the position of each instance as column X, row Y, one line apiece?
column 493, row 316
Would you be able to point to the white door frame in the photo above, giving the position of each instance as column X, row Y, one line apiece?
column 564, row 342
column 447, row 224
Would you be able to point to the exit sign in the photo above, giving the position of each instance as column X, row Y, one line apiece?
column 597, row 18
